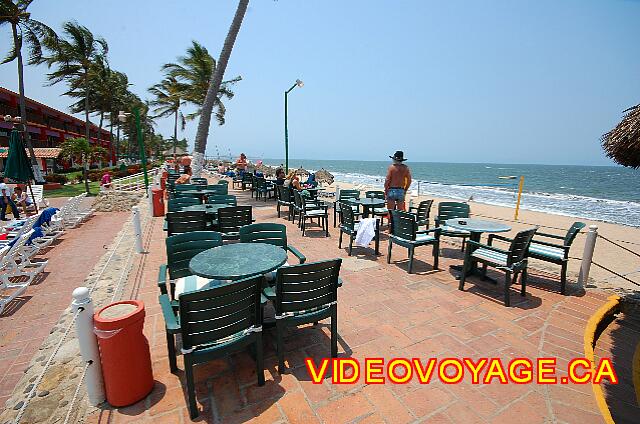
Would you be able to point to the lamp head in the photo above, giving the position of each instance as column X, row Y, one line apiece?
column 299, row 83
column 122, row 116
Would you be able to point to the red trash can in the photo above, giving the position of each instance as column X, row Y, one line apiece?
column 124, row 352
column 158, row 201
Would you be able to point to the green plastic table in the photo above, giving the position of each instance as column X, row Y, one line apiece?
column 237, row 261
column 209, row 209
column 475, row 227
column 368, row 203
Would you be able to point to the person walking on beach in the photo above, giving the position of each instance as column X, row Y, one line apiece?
column 397, row 182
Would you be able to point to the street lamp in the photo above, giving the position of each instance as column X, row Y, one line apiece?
column 286, row 130
column 122, row 117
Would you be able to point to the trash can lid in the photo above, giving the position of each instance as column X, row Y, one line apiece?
column 119, row 315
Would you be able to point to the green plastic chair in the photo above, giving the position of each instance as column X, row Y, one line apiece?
column 512, row 261
column 222, row 199
column 199, row 181
column 284, row 198
column 310, row 209
column 176, row 205
column 381, row 212
column 181, row 248
column 422, row 212
column 223, row 182
column 404, row 232
column 218, row 189
column 185, row 222
column 269, row 233
column 344, row 195
column 556, row 253
column 350, row 225
column 305, row 294
column 231, row 219
column 450, row 210
column 184, row 187
column 247, row 180
column 264, row 189
column 214, row 323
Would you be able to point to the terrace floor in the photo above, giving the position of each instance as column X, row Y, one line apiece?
column 383, row 312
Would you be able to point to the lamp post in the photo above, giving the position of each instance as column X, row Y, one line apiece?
column 286, row 130
column 122, row 116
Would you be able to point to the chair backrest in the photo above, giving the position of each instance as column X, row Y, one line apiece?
column 449, row 210
column 374, row 194
column 307, row 286
column 38, row 192
column 284, row 194
column 403, row 225
column 261, row 182
column 520, row 245
column 349, row 194
column 209, row 315
column 185, row 222
column 247, row 177
column 424, row 210
column 182, row 195
column 231, row 219
column 573, row 232
column 269, row 233
column 175, row 205
column 222, row 199
column 223, row 182
column 199, row 181
column 182, row 247
column 348, row 217
column 297, row 198
column 184, row 187
column 218, row 188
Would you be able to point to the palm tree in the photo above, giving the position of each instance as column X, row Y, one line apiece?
column 214, row 87
column 168, row 99
column 194, row 71
column 74, row 57
column 23, row 28
column 75, row 149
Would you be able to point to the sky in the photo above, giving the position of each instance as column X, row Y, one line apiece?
column 496, row 81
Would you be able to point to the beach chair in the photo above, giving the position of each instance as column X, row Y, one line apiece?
column 180, row 249
column 404, row 232
column 231, row 219
column 422, row 212
column 16, row 271
column 214, row 323
column 450, row 210
column 555, row 253
column 512, row 261
column 284, row 197
column 344, row 195
column 305, row 294
column 185, row 222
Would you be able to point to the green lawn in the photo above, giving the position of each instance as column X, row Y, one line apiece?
column 70, row 190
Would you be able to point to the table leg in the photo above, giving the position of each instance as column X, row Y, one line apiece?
column 377, row 237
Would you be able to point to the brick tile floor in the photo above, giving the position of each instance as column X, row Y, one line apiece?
column 26, row 322
column 383, row 312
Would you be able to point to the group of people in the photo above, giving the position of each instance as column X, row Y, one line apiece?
column 13, row 197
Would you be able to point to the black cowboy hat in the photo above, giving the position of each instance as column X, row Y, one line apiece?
column 399, row 156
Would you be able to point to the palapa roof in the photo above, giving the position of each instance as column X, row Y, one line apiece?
column 622, row 144
column 324, row 176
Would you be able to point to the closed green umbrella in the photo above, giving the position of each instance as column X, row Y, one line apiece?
column 17, row 167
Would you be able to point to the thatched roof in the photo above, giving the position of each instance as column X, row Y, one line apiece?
column 324, row 176
column 622, row 144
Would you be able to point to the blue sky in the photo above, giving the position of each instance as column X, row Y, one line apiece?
column 455, row 81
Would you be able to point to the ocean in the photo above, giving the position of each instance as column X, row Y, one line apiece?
column 603, row 193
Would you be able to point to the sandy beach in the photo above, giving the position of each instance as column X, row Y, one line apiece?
column 606, row 254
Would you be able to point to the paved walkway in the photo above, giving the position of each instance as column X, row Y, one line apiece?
column 383, row 312
column 26, row 323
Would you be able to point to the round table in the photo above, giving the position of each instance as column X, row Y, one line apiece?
column 368, row 203
column 238, row 260
column 475, row 227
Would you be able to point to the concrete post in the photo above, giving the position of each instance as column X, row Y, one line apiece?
column 587, row 255
column 137, row 228
column 88, row 345
column 337, row 191
column 150, row 199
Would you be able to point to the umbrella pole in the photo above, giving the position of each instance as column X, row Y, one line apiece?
column 35, row 204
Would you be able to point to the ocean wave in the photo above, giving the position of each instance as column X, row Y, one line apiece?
column 593, row 208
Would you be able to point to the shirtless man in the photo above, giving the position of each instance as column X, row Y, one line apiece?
column 397, row 182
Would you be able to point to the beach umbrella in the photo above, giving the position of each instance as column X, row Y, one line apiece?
column 324, row 176
column 301, row 172
column 622, row 144
column 17, row 167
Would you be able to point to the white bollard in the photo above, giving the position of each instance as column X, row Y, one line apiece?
column 587, row 256
column 337, row 191
column 137, row 229
column 88, row 345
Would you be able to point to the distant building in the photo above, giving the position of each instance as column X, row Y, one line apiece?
column 48, row 127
